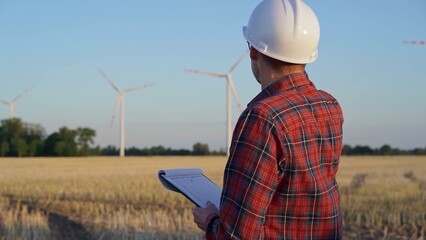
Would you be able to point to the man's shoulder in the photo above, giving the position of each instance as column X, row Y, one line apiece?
column 291, row 109
column 279, row 110
column 282, row 102
column 327, row 96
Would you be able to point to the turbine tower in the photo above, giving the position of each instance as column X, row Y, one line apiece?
column 12, row 103
column 230, row 87
column 120, row 104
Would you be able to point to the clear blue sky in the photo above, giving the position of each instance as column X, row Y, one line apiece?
column 57, row 46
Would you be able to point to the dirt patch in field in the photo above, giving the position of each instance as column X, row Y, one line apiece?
column 60, row 226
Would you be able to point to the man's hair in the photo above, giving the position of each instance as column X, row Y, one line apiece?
column 278, row 65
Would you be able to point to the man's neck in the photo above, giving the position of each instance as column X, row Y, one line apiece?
column 271, row 76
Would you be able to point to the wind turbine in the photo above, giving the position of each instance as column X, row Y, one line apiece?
column 12, row 103
column 415, row 42
column 230, row 87
column 120, row 104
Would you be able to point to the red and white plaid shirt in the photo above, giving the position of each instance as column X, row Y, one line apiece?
column 279, row 182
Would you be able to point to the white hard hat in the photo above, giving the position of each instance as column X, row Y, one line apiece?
column 286, row 30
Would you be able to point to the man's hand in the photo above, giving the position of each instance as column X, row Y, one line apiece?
column 202, row 216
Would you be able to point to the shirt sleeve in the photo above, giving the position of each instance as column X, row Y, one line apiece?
column 250, row 179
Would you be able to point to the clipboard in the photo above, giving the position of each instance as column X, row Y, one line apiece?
column 193, row 184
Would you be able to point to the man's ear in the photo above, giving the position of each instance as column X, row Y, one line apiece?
column 253, row 53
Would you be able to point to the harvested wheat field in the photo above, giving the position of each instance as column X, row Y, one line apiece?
column 113, row 198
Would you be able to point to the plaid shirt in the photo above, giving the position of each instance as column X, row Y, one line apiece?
column 279, row 181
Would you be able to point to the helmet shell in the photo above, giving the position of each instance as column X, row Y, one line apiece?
column 286, row 30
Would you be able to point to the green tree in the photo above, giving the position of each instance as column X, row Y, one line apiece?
column 61, row 143
column 20, row 139
column 84, row 139
column 20, row 146
column 346, row 150
column 35, row 147
column 61, row 149
column 157, row 150
column 200, row 149
column 419, row 151
column 49, row 144
column 386, row 150
column 4, row 148
column 34, row 136
column 66, row 145
column 109, row 151
column 362, row 150
column 11, row 132
column 12, row 128
column 95, row 151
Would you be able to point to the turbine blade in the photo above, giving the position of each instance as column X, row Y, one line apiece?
column 22, row 94
column 205, row 73
column 138, row 87
column 109, row 80
column 4, row 102
column 235, row 94
column 238, row 62
column 117, row 105
column 415, row 42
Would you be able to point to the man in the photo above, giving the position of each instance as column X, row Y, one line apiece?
column 279, row 181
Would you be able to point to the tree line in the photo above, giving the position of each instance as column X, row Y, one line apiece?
column 198, row 149
column 385, row 150
column 19, row 139
column 24, row 139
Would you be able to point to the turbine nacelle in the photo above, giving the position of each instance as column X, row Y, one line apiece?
column 230, row 89
column 120, row 105
column 12, row 103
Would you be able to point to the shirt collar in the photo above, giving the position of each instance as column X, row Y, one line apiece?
column 286, row 83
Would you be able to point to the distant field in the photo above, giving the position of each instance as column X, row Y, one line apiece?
column 113, row 198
